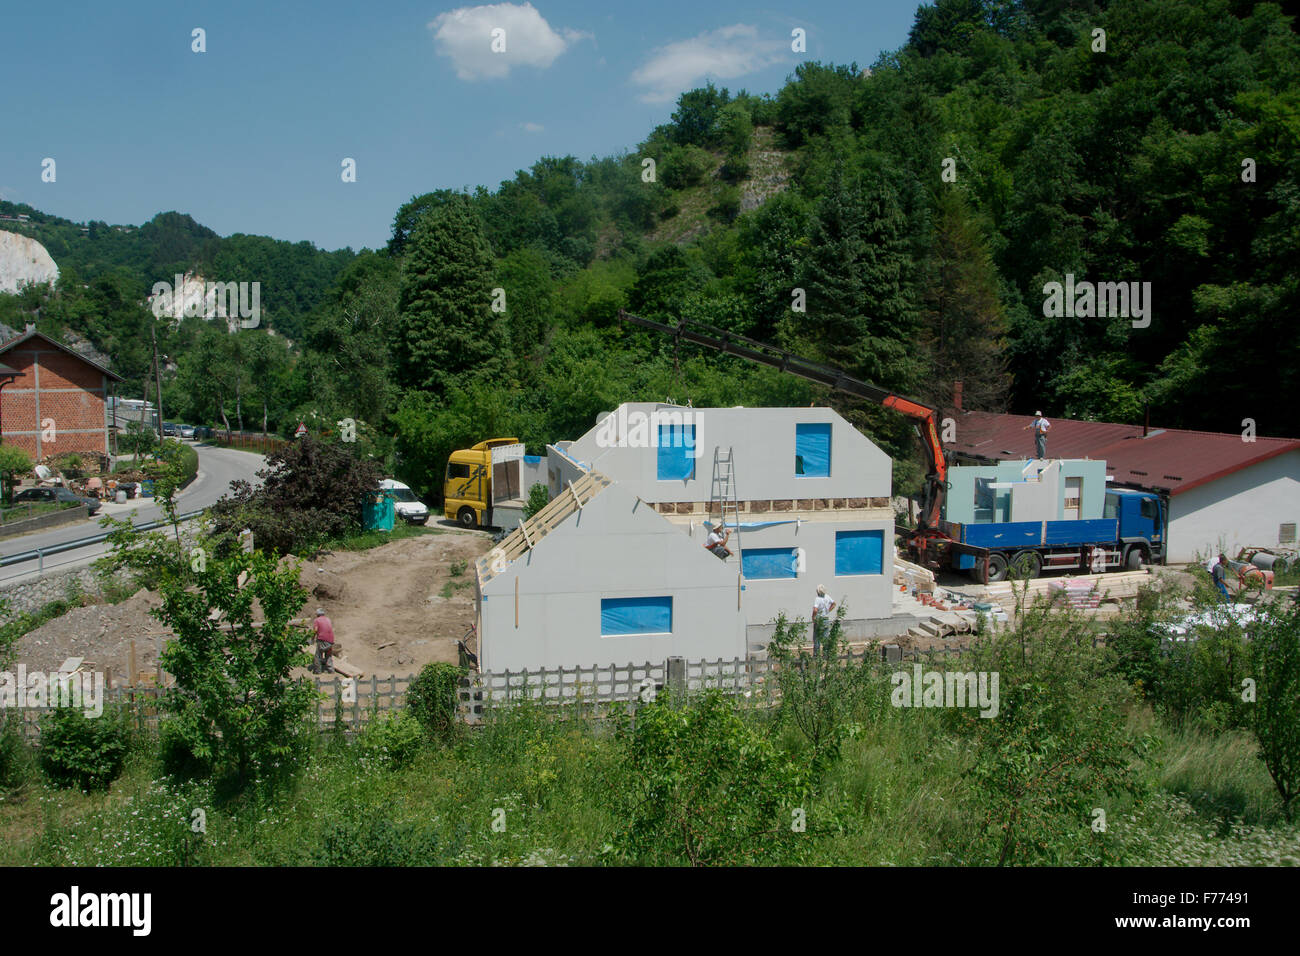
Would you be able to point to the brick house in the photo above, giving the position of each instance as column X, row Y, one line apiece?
column 58, row 400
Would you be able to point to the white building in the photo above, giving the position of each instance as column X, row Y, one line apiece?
column 615, row 569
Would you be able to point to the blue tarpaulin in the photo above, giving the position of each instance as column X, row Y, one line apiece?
column 859, row 552
column 750, row 525
column 812, row 450
column 676, row 452
column 760, row 563
column 642, row 615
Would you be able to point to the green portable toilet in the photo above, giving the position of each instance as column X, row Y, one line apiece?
column 377, row 512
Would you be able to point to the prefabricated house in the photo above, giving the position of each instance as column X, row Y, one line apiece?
column 615, row 570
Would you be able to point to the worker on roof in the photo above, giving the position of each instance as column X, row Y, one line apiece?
column 1040, row 425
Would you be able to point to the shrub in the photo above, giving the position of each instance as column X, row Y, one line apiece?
column 702, row 787
column 16, row 759
column 310, row 492
column 538, row 498
column 685, row 166
column 392, row 740
column 366, row 837
column 85, row 752
column 431, row 698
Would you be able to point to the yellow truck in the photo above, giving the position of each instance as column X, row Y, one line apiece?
column 484, row 485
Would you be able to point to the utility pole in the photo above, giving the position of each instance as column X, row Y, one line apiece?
column 157, row 375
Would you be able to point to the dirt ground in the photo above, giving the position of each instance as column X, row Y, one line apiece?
column 388, row 607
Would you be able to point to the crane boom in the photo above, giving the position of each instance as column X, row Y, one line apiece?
column 730, row 343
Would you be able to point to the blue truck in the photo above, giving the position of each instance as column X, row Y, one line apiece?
column 1130, row 534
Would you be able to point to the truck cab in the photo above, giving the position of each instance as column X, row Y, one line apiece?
column 1141, row 518
column 467, row 490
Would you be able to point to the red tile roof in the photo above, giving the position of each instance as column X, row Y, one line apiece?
column 1171, row 459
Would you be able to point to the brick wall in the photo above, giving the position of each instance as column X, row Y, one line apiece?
column 53, row 385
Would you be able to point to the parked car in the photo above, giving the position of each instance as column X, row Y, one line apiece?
column 55, row 496
column 187, row 431
column 171, row 428
column 407, row 507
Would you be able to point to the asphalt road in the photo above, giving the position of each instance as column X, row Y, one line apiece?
column 218, row 467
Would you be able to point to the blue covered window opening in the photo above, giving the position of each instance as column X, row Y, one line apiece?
column 859, row 552
column 639, row 615
column 812, row 450
column 676, row 452
column 759, row 563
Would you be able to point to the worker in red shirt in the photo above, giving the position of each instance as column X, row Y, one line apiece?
column 324, row 644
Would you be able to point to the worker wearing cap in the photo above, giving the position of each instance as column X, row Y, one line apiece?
column 823, row 607
column 1040, row 425
column 324, row 643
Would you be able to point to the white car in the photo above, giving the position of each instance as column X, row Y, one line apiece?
column 408, row 507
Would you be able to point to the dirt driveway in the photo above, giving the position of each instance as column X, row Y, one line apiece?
column 395, row 608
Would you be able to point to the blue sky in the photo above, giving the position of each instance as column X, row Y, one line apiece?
column 249, row 136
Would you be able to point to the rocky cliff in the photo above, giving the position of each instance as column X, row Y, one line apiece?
column 23, row 260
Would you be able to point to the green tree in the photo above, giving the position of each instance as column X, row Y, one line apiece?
column 962, row 314
column 445, row 325
column 1275, row 716
column 235, row 706
column 13, row 461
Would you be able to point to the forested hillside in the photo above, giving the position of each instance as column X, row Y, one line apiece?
column 921, row 206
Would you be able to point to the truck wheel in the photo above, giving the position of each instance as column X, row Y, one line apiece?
column 467, row 518
column 997, row 567
column 1027, row 562
column 1135, row 559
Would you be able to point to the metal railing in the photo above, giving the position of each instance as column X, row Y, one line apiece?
column 39, row 554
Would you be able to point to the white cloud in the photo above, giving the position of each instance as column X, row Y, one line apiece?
column 725, row 53
column 465, row 35
column 531, row 127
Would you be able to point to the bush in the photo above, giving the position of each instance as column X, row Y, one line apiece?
column 16, row 759
column 85, row 752
column 538, row 498
column 311, row 492
column 727, row 204
column 431, row 699
column 702, row 787
column 175, row 755
column 685, row 166
column 392, row 740
column 368, row 838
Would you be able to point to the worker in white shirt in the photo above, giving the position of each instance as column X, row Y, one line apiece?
column 823, row 608
column 1040, row 425
column 717, row 542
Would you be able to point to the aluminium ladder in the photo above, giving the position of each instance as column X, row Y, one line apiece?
column 722, row 494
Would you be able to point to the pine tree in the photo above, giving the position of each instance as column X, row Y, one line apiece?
column 964, row 320
column 862, row 315
column 445, row 324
